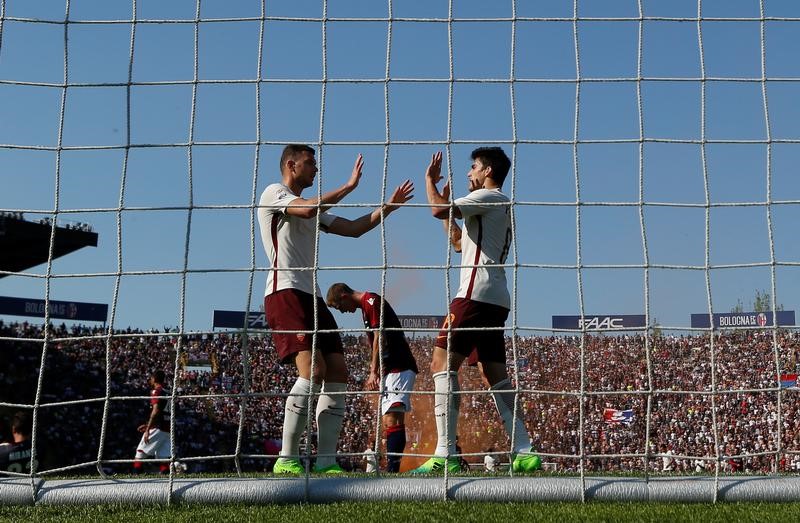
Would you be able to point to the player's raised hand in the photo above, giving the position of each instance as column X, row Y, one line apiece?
column 355, row 177
column 400, row 195
column 434, row 171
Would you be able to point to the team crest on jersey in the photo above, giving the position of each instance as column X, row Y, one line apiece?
column 301, row 337
column 371, row 301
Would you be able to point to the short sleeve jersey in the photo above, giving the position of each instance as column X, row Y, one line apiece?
column 485, row 242
column 15, row 457
column 288, row 241
column 161, row 421
column 396, row 353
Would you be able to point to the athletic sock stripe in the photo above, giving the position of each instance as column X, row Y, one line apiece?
column 395, row 428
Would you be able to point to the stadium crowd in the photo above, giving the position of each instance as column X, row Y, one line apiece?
column 83, row 366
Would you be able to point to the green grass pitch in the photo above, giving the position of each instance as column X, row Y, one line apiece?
column 440, row 511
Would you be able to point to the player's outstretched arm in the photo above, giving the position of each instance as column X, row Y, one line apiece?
column 357, row 227
column 440, row 202
column 307, row 207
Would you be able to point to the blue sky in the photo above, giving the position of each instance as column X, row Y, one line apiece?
column 225, row 131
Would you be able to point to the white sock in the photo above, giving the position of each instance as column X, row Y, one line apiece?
column 330, row 415
column 295, row 415
column 503, row 396
column 446, row 422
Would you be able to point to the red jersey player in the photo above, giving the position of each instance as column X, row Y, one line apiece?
column 155, row 441
column 391, row 353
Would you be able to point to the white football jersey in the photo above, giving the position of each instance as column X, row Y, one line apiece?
column 288, row 241
column 485, row 241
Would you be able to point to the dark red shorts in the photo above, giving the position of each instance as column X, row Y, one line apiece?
column 293, row 310
column 487, row 345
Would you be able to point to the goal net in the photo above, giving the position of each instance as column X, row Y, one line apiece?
column 653, row 197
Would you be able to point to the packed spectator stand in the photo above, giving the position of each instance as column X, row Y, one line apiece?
column 210, row 392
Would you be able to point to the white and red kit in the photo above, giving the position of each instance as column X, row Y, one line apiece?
column 288, row 241
column 158, row 444
column 399, row 366
column 289, row 295
column 485, row 242
column 482, row 300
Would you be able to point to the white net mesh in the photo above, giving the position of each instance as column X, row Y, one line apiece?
column 637, row 121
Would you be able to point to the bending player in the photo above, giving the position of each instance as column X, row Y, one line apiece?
column 392, row 355
column 288, row 225
column 155, row 433
column 482, row 301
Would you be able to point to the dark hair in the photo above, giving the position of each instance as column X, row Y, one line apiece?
column 22, row 423
column 336, row 290
column 158, row 376
column 494, row 157
column 292, row 151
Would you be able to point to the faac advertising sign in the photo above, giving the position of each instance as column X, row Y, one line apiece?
column 62, row 310
column 742, row 320
column 235, row 320
column 600, row 322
